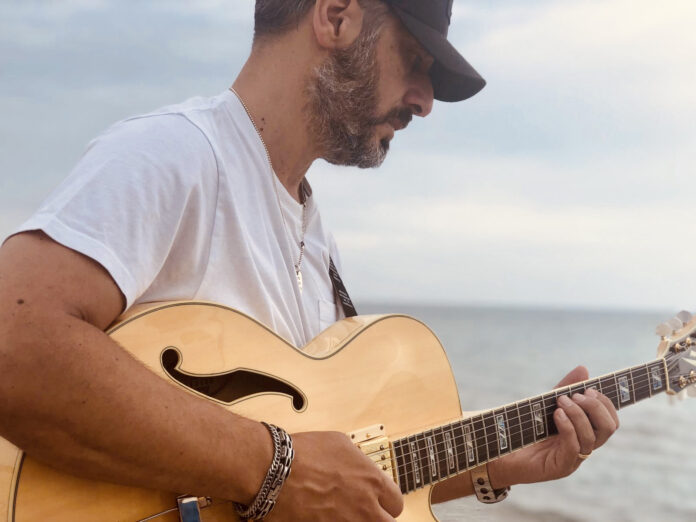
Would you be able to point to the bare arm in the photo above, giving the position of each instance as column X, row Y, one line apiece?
column 72, row 397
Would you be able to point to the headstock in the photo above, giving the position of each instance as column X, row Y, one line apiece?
column 678, row 348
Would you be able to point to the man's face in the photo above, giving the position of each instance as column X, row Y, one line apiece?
column 360, row 96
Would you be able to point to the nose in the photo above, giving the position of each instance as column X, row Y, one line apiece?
column 419, row 96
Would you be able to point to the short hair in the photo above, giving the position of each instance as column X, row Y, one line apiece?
column 274, row 17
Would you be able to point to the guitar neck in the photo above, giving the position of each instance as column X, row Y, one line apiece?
column 433, row 455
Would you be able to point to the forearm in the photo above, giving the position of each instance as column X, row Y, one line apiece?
column 75, row 399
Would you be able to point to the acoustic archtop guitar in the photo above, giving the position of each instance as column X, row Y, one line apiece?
column 385, row 381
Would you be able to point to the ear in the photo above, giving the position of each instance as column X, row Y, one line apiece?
column 337, row 23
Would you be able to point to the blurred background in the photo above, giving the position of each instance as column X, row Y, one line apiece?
column 542, row 224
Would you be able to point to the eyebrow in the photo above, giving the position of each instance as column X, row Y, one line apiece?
column 409, row 44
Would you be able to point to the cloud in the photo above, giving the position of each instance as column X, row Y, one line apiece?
column 568, row 180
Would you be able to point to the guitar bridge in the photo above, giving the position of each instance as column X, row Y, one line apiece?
column 374, row 443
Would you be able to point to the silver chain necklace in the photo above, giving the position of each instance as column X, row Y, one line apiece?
column 298, row 265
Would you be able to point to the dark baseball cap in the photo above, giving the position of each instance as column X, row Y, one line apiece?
column 428, row 21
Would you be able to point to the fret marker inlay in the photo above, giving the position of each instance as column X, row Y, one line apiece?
column 502, row 432
column 538, row 419
column 656, row 378
column 431, row 456
column 415, row 463
column 450, row 451
column 469, row 444
column 623, row 389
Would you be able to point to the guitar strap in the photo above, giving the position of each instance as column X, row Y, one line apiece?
column 341, row 292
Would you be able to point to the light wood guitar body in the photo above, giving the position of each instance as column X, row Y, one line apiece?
column 364, row 371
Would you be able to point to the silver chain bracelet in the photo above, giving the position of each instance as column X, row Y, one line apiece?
column 276, row 476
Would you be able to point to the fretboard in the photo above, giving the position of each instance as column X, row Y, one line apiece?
column 439, row 453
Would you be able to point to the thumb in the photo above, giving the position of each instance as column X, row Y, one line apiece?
column 577, row 374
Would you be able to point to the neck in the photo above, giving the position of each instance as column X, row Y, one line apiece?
column 272, row 85
column 433, row 455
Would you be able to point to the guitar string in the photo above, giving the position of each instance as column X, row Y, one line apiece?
column 479, row 435
column 424, row 461
column 425, row 465
column 638, row 385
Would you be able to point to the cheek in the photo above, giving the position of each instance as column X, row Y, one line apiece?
column 392, row 77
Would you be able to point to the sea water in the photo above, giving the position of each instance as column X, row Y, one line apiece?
column 647, row 470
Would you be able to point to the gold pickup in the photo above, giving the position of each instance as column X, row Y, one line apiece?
column 374, row 443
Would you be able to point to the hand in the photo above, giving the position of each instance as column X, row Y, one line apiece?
column 584, row 424
column 332, row 481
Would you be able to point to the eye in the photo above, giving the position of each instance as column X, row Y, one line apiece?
column 417, row 63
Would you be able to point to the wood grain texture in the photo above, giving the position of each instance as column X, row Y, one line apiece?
column 363, row 371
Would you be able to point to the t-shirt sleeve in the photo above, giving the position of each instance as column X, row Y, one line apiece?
column 131, row 194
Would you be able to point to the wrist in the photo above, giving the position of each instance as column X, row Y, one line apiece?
column 499, row 472
column 260, row 458
column 277, row 474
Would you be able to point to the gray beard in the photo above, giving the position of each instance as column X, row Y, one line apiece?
column 343, row 102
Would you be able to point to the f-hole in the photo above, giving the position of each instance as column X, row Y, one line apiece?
column 231, row 386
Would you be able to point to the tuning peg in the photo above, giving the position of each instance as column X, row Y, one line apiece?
column 664, row 329
column 684, row 316
column 675, row 323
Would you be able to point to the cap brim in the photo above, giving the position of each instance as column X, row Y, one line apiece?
column 452, row 77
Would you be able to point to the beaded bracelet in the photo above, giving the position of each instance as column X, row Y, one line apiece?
column 276, row 476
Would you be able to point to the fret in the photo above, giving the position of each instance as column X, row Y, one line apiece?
column 625, row 384
column 478, row 434
column 577, row 388
column 648, row 382
column 403, row 466
column 503, row 431
column 550, row 405
column 526, row 422
column 641, row 382
column 491, row 435
column 515, row 429
column 593, row 383
column 460, row 447
column 600, row 388
column 610, row 389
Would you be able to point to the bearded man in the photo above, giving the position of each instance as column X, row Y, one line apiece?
column 208, row 200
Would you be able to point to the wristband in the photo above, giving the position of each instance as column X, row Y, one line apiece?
column 482, row 486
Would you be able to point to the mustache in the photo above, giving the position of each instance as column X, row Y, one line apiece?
column 403, row 115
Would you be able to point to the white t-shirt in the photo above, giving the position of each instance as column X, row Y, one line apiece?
column 182, row 204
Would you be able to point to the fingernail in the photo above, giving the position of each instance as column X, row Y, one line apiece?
column 564, row 400
column 562, row 414
column 592, row 392
column 578, row 397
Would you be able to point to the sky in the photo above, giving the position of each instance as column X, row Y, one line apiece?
column 567, row 182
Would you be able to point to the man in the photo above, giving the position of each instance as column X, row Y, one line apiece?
column 208, row 200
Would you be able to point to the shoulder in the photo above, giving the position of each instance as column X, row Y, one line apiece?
column 164, row 138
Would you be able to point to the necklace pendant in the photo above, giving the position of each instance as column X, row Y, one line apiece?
column 298, row 273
